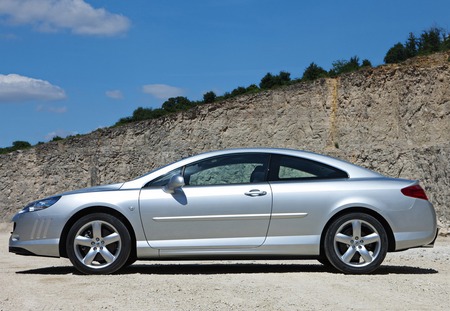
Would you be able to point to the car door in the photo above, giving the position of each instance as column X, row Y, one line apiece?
column 225, row 203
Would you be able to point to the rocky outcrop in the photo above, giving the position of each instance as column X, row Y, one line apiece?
column 393, row 119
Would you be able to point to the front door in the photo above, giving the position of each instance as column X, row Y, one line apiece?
column 226, row 203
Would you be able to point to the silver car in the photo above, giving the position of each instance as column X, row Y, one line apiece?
column 233, row 204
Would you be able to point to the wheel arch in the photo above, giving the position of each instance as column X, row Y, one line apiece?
column 377, row 216
column 92, row 210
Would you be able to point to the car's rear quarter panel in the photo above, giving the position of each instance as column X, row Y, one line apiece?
column 410, row 219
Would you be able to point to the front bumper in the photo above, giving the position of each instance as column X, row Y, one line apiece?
column 34, row 235
column 41, row 247
column 20, row 251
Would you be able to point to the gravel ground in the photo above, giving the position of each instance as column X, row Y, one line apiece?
column 417, row 279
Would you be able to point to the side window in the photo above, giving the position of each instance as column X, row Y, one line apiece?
column 292, row 168
column 287, row 172
column 164, row 179
column 233, row 169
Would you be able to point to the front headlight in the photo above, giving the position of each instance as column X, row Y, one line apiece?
column 40, row 205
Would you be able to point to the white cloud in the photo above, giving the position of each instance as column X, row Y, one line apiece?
column 162, row 91
column 52, row 109
column 54, row 15
column 17, row 88
column 8, row 36
column 114, row 94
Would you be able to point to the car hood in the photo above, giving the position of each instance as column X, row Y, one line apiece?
column 110, row 187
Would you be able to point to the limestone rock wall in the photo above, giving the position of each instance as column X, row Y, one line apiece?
column 392, row 119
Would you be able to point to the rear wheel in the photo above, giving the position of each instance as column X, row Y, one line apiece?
column 98, row 244
column 356, row 243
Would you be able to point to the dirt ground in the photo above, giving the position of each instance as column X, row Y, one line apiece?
column 417, row 279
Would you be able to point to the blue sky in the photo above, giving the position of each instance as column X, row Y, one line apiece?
column 71, row 66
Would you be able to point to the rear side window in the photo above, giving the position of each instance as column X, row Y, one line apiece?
column 294, row 168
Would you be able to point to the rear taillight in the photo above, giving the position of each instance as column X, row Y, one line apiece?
column 415, row 191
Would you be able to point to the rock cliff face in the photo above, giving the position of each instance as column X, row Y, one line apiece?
column 393, row 119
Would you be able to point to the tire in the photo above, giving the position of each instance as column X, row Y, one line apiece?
column 131, row 260
column 98, row 244
column 356, row 243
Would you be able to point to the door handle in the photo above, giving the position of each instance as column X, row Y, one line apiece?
column 255, row 193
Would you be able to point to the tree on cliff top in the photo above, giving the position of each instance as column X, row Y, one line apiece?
column 344, row 66
column 209, row 97
column 430, row 41
column 396, row 54
column 17, row 145
column 313, row 72
column 270, row 80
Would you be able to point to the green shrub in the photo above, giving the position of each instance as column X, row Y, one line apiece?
column 17, row 145
column 396, row 54
column 269, row 80
column 344, row 66
column 209, row 97
column 313, row 72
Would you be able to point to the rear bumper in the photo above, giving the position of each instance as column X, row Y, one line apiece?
column 415, row 227
column 431, row 244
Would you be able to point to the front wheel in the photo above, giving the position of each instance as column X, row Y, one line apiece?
column 356, row 243
column 98, row 244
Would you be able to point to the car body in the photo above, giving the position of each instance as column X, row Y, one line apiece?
column 257, row 203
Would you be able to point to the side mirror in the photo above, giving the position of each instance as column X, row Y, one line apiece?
column 175, row 182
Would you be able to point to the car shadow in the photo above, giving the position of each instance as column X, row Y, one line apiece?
column 226, row 268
